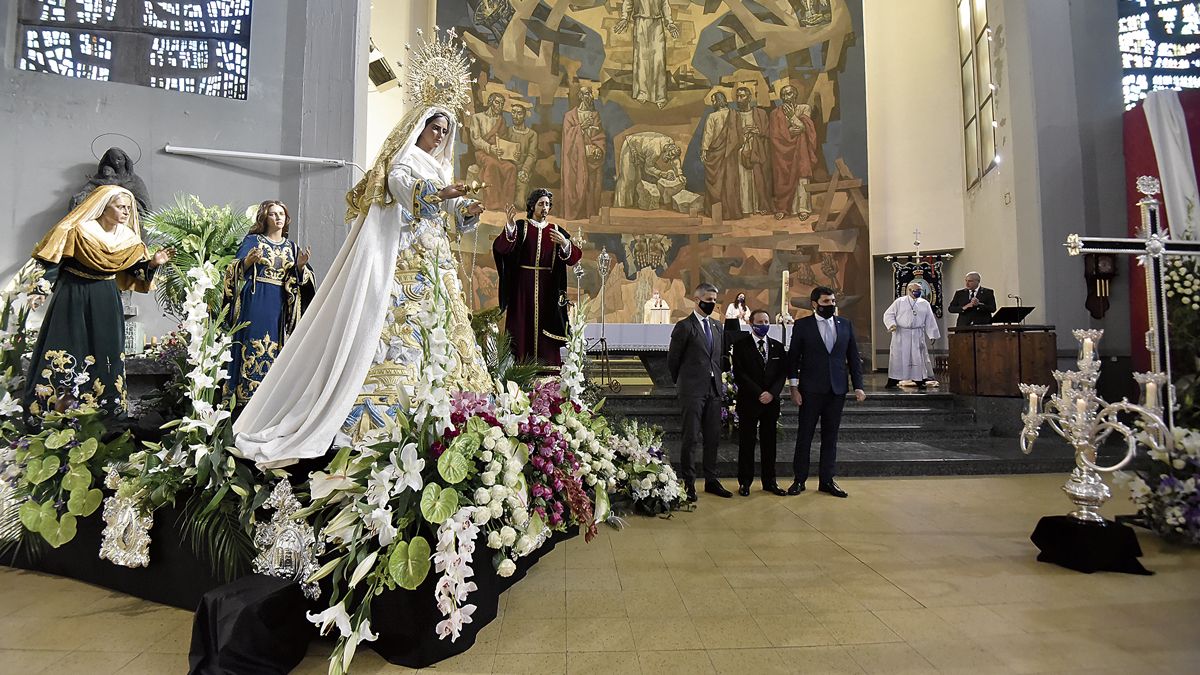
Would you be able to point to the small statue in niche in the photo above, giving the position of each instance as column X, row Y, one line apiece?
column 115, row 168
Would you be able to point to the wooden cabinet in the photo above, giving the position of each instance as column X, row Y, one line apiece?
column 993, row 360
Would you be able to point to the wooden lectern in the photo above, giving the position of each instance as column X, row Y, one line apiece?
column 992, row 360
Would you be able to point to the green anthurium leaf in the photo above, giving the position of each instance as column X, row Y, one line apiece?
column 60, row 531
column 477, row 425
column 467, row 444
column 453, row 466
column 409, row 562
column 84, row 451
column 59, row 438
column 37, row 447
column 77, row 478
column 38, row 471
column 437, row 504
column 30, row 514
column 602, row 504
column 84, row 502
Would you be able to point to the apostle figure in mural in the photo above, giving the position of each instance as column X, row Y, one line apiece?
column 794, row 148
column 747, row 184
column 355, row 358
column 713, row 149
column 92, row 254
column 912, row 324
column 651, row 23
column 532, row 256
column 115, row 168
column 267, row 287
column 525, row 140
column 649, row 172
column 583, row 149
column 493, row 155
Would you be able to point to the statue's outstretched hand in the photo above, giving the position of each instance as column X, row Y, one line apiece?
column 511, row 212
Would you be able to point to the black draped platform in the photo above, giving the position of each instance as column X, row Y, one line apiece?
column 261, row 606
column 1088, row 547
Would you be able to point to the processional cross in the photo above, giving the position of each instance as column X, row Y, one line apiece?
column 1150, row 246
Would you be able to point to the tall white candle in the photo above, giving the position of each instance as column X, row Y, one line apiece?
column 1033, row 402
column 1088, row 346
column 1151, row 393
column 1081, row 406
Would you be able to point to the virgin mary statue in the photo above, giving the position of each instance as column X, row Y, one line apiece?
column 356, row 353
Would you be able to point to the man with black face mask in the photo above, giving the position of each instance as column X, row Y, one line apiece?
column 759, row 368
column 822, row 354
column 695, row 359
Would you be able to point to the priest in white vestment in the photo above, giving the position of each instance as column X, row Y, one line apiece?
column 912, row 324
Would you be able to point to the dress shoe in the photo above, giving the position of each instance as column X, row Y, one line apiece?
column 796, row 488
column 744, row 490
column 715, row 488
column 775, row 490
column 833, row 489
column 691, row 493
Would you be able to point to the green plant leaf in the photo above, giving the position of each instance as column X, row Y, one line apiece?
column 453, row 466
column 58, row 532
column 31, row 515
column 38, row 471
column 409, row 562
column 77, row 478
column 84, row 502
column 437, row 504
column 59, row 438
column 84, row 451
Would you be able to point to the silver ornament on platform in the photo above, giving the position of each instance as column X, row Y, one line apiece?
column 288, row 547
column 126, row 537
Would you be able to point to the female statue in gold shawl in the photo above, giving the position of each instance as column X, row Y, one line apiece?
column 95, row 252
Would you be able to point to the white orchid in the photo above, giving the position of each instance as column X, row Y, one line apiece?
column 379, row 521
column 411, row 467
column 9, row 406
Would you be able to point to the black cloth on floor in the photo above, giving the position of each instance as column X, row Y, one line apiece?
column 1088, row 547
column 253, row 625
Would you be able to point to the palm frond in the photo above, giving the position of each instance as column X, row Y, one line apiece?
column 199, row 234
column 15, row 540
column 217, row 536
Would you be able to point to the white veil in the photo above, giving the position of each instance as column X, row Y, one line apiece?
column 303, row 401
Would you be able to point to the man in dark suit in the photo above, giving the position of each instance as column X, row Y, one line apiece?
column 974, row 304
column 759, row 369
column 695, row 356
column 822, row 355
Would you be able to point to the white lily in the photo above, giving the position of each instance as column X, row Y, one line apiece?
column 410, row 469
column 335, row 615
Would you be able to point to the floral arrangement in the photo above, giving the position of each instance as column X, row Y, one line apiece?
column 20, row 296
column 651, row 484
column 572, row 381
column 1183, row 319
column 729, row 414
column 1164, row 486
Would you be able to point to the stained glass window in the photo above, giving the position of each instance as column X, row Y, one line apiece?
column 196, row 46
column 1160, row 46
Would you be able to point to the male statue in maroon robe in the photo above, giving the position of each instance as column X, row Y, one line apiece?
column 747, row 159
column 532, row 256
column 793, row 154
column 582, row 157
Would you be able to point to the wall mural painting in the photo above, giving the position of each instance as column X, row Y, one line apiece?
column 718, row 140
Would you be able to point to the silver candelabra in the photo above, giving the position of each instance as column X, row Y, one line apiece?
column 1083, row 419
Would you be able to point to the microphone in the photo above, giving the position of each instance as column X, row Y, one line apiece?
column 1015, row 297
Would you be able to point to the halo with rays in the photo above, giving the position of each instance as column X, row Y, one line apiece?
column 439, row 72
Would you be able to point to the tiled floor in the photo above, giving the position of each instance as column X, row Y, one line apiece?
column 907, row 575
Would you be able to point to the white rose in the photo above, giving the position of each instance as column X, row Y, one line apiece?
column 499, row 492
column 510, row 479
column 480, row 516
column 621, row 475
column 482, row 496
column 506, row 568
column 486, row 455
column 497, row 508
column 493, row 466
column 489, row 443
column 520, row 517
column 488, row 478
column 523, row 544
column 647, row 482
column 494, row 540
column 507, row 535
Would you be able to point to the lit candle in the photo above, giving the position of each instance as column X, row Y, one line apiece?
column 1081, row 406
column 1033, row 402
column 1065, row 390
column 1087, row 349
column 1151, row 393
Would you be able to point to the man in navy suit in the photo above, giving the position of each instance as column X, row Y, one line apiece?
column 696, row 358
column 823, row 354
column 759, row 369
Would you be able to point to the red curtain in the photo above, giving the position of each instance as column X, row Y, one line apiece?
column 1140, row 160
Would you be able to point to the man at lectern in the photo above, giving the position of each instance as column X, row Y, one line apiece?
column 656, row 310
column 974, row 304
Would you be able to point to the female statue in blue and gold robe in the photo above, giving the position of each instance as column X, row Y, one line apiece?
column 267, row 287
